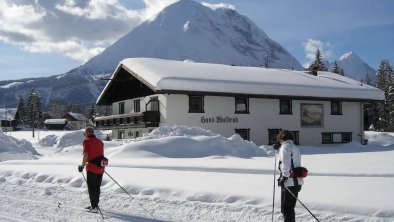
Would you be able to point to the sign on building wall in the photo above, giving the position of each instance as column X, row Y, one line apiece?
column 219, row 119
column 312, row 115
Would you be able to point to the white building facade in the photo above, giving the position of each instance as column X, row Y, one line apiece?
column 254, row 102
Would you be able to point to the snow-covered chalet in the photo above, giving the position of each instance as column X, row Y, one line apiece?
column 319, row 108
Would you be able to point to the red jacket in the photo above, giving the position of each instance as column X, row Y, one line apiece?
column 94, row 148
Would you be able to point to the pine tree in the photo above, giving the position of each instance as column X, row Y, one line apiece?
column 33, row 112
column 21, row 109
column 29, row 109
column 318, row 63
column 92, row 113
column 342, row 73
column 39, row 116
column 385, row 82
column 336, row 68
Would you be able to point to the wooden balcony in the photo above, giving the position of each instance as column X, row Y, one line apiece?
column 128, row 120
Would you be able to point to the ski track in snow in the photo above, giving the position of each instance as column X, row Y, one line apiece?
column 25, row 198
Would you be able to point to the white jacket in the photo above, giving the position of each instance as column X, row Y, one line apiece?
column 287, row 152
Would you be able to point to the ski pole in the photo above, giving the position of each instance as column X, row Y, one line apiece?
column 302, row 204
column 273, row 195
column 119, row 185
column 88, row 193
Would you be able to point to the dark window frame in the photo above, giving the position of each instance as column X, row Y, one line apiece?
column 270, row 131
column 339, row 107
column 121, row 132
column 154, row 104
column 343, row 138
column 202, row 104
column 137, row 105
column 290, row 107
column 247, row 130
column 121, row 108
column 246, row 101
column 296, row 135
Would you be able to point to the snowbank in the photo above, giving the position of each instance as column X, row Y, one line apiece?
column 11, row 148
column 379, row 138
column 166, row 131
column 188, row 142
column 69, row 138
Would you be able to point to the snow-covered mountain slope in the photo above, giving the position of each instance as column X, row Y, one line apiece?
column 186, row 30
column 354, row 67
column 190, row 30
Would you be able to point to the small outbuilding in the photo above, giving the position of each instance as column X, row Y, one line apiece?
column 75, row 121
column 55, row 124
column 9, row 118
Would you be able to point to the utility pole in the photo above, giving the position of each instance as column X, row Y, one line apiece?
column 266, row 61
column 5, row 107
column 34, row 111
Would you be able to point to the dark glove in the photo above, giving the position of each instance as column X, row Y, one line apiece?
column 80, row 168
column 281, row 181
column 277, row 145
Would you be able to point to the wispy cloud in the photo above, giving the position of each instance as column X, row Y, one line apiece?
column 311, row 46
column 78, row 29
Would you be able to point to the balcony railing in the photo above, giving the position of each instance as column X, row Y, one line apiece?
column 129, row 120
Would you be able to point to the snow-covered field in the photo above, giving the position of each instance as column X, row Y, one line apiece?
column 189, row 174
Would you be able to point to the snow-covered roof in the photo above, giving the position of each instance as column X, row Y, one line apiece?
column 55, row 121
column 9, row 114
column 77, row 116
column 176, row 76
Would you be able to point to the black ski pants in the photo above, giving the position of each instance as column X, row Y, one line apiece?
column 288, row 203
column 94, row 183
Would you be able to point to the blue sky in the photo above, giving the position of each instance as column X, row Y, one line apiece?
column 55, row 36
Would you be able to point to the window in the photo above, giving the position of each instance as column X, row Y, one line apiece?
column 326, row 137
column 137, row 106
column 241, row 105
column 336, row 108
column 154, row 104
column 346, row 137
column 128, row 120
column 121, row 134
column 130, row 134
column 121, row 108
column 336, row 137
column 285, row 106
column 121, row 121
column 273, row 135
column 196, row 104
column 137, row 134
column 296, row 135
column 244, row 133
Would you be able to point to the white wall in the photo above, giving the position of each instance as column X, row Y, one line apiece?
column 264, row 115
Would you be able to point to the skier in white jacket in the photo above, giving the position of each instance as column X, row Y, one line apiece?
column 289, row 158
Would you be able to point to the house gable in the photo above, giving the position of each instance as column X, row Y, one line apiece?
column 124, row 84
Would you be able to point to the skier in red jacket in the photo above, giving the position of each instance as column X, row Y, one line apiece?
column 93, row 151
